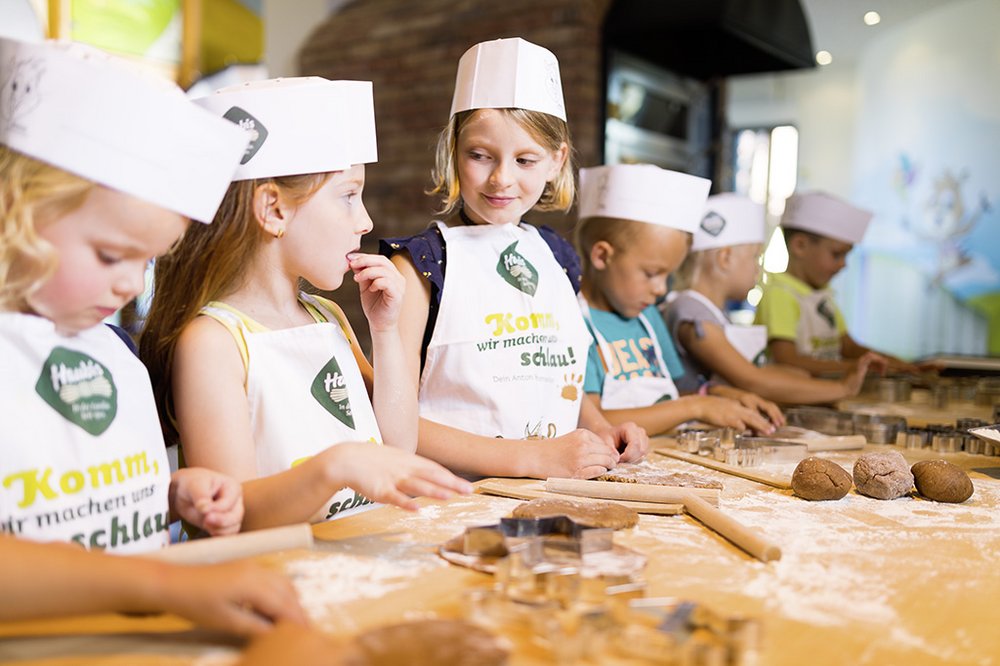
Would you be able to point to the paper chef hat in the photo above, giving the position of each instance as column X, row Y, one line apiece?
column 826, row 215
column 729, row 219
column 93, row 115
column 509, row 73
column 299, row 125
column 644, row 193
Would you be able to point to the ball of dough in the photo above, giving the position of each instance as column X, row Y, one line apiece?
column 594, row 514
column 820, row 479
column 941, row 481
column 883, row 475
column 428, row 643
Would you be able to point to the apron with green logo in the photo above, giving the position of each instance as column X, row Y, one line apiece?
column 508, row 353
column 306, row 393
column 83, row 456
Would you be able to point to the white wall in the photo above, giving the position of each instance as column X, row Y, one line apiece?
column 921, row 102
column 287, row 24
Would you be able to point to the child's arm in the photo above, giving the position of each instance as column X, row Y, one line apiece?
column 667, row 415
column 53, row 579
column 213, row 419
column 784, row 352
column 750, row 400
column 714, row 351
column 394, row 393
column 850, row 348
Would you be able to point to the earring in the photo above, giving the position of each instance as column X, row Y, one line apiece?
column 280, row 233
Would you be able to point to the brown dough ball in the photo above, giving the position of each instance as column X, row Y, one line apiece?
column 820, row 479
column 883, row 475
column 941, row 481
column 428, row 643
column 594, row 514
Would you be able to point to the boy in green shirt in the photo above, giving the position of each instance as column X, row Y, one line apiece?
column 805, row 328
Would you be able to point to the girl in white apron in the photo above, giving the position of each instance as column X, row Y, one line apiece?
column 491, row 323
column 83, row 459
column 259, row 380
column 723, row 265
column 630, row 240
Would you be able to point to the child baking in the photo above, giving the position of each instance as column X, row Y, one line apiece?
column 805, row 328
column 490, row 321
column 291, row 407
column 634, row 230
column 723, row 266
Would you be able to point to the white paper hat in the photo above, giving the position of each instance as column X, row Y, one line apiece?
column 509, row 74
column 644, row 193
column 299, row 125
column 101, row 118
column 826, row 215
column 729, row 219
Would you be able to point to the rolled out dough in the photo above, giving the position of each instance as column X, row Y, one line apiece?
column 592, row 513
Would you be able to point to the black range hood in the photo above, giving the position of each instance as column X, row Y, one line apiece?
column 704, row 39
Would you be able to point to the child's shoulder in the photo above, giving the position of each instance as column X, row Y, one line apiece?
column 428, row 241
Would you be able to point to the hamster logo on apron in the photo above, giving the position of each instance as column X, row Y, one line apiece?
column 330, row 390
column 79, row 388
column 517, row 271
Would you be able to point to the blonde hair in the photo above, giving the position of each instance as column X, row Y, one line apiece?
column 208, row 263
column 694, row 264
column 617, row 232
column 550, row 132
column 32, row 194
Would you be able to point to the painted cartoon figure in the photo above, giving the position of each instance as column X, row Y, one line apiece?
column 19, row 94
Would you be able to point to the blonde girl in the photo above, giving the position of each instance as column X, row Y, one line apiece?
column 490, row 321
column 87, row 199
column 260, row 380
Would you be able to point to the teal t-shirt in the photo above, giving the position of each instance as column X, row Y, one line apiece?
column 633, row 354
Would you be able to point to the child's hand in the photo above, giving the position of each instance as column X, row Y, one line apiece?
column 237, row 597
column 875, row 362
column 727, row 413
column 629, row 440
column 856, row 378
column 754, row 401
column 207, row 499
column 580, row 454
column 391, row 476
column 382, row 287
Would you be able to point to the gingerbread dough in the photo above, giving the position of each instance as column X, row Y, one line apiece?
column 594, row 514
column 941, row 481
column 819, row 479
column 638, row 473
column 883, row 475
column 428, row 643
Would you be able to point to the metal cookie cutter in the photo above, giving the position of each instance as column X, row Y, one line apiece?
column 537, row 535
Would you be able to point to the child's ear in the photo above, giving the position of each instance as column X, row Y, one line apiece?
column 724, row 258
column 559, row 157
column 600, row 254
column 797, row 244
column 269, row 209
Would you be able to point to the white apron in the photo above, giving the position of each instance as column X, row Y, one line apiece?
column 635, row 392
column 83, row 458
column 749, row 341
column 306, row 393
column 508, row 353
column 816, row 334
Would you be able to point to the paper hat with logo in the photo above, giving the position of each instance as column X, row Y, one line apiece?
column 509, row 73
column 103, row 119
column 299, row 125
column 644, row 193
column 826, row 215
column 729, row 219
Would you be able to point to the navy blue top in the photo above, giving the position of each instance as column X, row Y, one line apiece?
column 430, row 257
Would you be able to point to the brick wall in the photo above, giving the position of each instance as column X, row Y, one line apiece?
column 410, row 50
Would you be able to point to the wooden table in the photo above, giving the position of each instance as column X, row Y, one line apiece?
column 861, row 581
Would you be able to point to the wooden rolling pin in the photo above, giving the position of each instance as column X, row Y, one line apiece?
column 246, row 544
column 639, row 492
column 738, row 533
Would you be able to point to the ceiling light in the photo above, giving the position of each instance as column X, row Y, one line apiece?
column 872, row 18
column 824, row 57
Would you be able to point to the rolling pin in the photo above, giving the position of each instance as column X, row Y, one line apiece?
column 638, row 492
column 246, row 544
column 736, row 532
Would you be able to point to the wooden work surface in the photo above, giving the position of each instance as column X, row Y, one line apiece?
column 861, row 581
